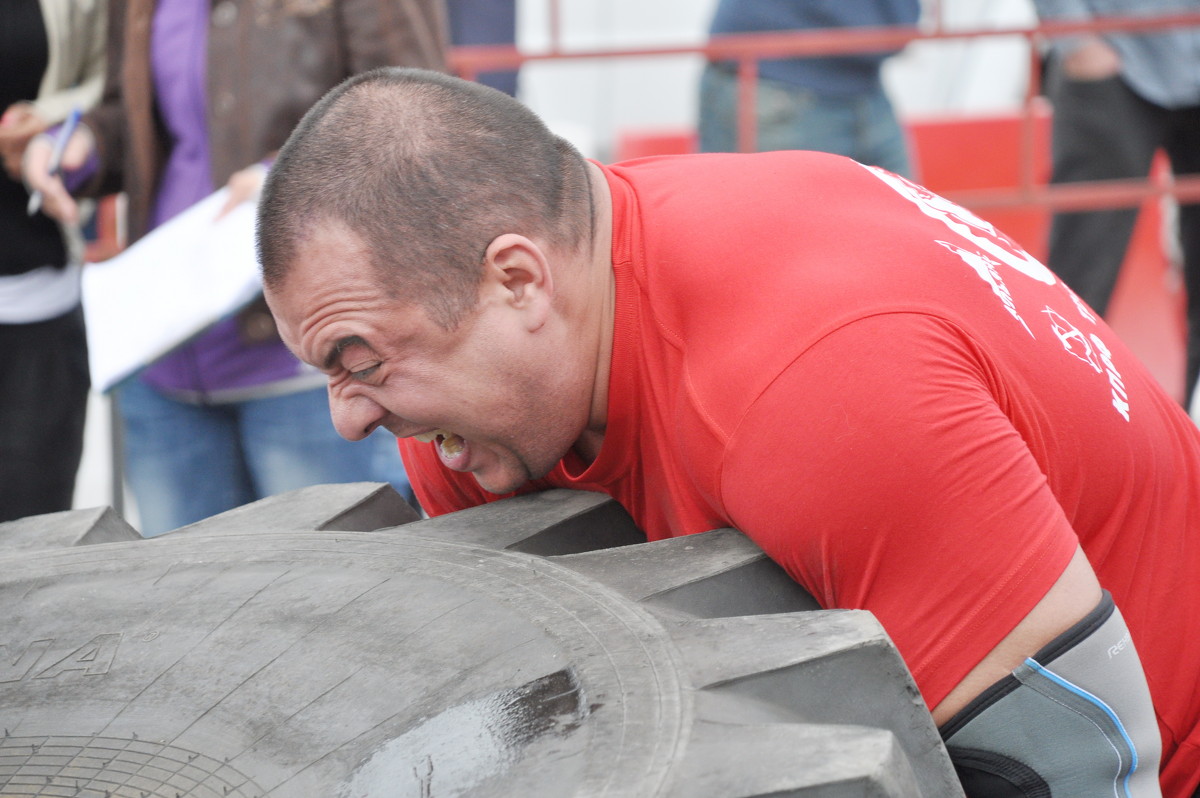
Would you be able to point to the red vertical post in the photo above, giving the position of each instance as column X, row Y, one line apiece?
column 555, row 26
column 934, row 7
column 1027, row 158
column 747, row 118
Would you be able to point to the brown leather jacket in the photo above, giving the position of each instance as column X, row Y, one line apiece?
column 268, row 62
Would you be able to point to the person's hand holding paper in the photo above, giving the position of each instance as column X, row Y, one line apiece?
column 169, row 286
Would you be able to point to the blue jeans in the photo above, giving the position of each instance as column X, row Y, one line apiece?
column 186, row 462
column 863, row 127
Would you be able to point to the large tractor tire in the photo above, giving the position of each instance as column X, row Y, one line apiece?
column 330, row 644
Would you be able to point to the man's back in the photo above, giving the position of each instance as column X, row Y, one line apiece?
column 908, row 414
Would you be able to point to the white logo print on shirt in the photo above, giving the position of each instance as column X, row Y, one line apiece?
column 994, row 248
column 966, row 224
column 1073, row 340
column 985, row 267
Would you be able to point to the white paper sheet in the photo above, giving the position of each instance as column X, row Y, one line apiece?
column 169, row 286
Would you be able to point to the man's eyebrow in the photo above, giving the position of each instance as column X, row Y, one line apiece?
column 350, row 340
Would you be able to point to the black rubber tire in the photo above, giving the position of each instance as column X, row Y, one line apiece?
column 531, row 647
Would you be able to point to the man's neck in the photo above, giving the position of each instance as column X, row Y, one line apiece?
column 602, row 290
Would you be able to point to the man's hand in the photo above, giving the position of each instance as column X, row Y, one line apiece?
column 18, row 124
column 35, row 168
column 1095, row 59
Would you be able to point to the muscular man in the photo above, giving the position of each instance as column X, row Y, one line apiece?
column 907, row 412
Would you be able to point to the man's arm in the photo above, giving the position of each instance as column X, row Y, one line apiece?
column 1084, row 56
column 1072, row 597
column 906, row 490
column 1073, row 718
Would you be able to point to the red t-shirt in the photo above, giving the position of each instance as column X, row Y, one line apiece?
column 897, row 404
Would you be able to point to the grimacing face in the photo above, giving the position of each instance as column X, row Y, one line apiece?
column 489, row 394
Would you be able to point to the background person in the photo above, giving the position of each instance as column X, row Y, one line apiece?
column 1118, row 97
column 51, row 62
column 907, row 412
column 197, row 95
column 484, row 22
column 832, row 103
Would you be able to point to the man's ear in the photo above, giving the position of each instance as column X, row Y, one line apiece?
column 519, row 269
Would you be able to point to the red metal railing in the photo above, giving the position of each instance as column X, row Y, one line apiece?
column 1148, row 312
column 748, row 49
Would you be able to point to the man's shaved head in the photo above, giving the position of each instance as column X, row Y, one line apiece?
column 426, row 170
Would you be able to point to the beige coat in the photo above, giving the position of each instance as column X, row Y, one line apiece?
column 75, row 72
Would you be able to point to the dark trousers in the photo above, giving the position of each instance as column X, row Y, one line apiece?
column 1104, row 131
column 43, row 401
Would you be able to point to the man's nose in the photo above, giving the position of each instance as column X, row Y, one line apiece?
column 354, row 416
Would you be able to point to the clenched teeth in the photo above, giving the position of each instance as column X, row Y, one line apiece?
column 449, row 443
